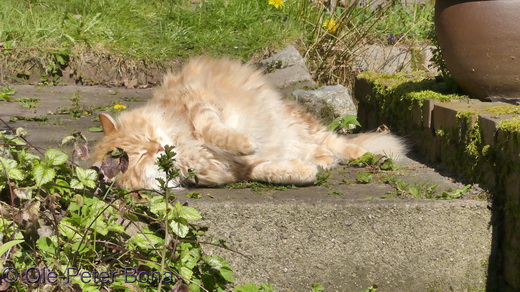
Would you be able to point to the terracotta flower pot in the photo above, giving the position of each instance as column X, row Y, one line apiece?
column 480, row 43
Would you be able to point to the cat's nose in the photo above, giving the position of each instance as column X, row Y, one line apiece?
column 160, row 148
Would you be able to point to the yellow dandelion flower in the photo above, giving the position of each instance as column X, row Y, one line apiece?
column 277, row 3
column 119, row 107
column 330, row 25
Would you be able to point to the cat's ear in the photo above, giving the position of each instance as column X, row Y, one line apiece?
column 108, row 124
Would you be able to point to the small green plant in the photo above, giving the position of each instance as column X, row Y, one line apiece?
column 259, row 187
column 250, row 287
column 364, row 177
column 372, row 288
column 28, row 102
column 321, row 179
column 75, row 223
column 317, row 288
column 7, row 92
column 456, row 194
column 375, row 162
column 345, row 124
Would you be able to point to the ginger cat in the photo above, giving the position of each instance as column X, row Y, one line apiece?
column 228, row 124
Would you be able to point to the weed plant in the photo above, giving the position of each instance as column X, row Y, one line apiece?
column 64, row 227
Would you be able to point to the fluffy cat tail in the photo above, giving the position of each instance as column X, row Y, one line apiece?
column 381, row 143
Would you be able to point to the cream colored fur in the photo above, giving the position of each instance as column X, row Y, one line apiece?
column 228, row 124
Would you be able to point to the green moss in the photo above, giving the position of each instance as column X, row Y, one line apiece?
column 504, row 110
column 465, row 114
column 429, row 94
column 510, row 125
column 390, row 81
column 416, row 86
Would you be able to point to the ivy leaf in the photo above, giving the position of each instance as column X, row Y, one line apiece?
column 55, row 157
column 42, row 174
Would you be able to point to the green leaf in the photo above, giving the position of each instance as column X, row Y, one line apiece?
column 190, row 214
column 414, row 191
column 222, row 266
column 55, row 157
column 47, row 244
column 42, row 174
column 86, row 176
column 10, row 165
column 95, row 129
column 6, row 246
column 116, row 228
column 76, row 184
column 388, row 164
column 67, row 139
column 180, row 227
column 193, row 195
column 363, row 177
column 186, row 273
column 333, row 126
column 348, row 120
column 100, row 226
column 247, row 287
column 317, row 288
column 146, row 241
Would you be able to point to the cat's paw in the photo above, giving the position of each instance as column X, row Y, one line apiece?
column 248, row 147
column 323, row 158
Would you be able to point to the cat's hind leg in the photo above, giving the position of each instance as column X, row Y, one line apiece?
column 211, row 130
column 285, row 172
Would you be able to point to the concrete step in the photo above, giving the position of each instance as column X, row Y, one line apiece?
column 342, row 235
column 298, row 237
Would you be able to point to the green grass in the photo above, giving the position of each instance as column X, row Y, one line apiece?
column 150, row 30
column 58, row 31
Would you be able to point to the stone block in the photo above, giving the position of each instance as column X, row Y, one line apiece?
column 445, row 114
column 291, row 78
column 427, row 109
column 286, row 58
column 489, row 126
column 328, row 102
column 287, row 71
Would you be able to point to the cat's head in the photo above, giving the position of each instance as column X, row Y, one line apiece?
column 141, row 138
